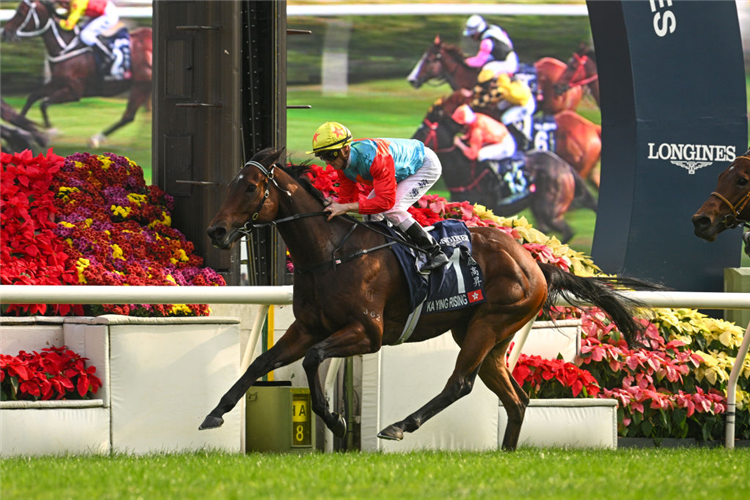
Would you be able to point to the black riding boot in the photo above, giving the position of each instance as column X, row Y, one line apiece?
column 423, row 240
column 522, row 142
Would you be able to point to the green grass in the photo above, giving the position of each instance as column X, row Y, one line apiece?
column 76, row 122
column 529, row 473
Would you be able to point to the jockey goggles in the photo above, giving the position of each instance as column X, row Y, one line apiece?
column 328, row 155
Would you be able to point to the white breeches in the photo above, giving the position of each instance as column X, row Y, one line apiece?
column 499, row 151
column 411, row 189
column 97, row 25
column 510, row 65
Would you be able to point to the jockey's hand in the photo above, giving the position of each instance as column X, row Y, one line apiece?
column 340, row 209
column 746, row 239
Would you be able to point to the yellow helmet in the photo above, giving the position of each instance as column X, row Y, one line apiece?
column 485, row 75
column 330, row 136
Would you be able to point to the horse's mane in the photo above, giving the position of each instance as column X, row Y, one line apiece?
column 301, row 173
column 455, row 52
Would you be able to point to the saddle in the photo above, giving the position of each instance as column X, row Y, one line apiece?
column 516, row 183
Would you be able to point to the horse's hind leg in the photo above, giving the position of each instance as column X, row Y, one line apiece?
column 289, row 348
column 139, row 95
column 348, row 341
column 496, row 376
column 475, row 347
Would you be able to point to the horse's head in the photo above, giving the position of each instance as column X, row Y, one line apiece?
column 252, row 197
column 580, row 70
column 429, row 66
column 727, row 207
column 438, row 129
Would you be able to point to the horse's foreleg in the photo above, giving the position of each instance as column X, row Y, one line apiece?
column 348, row 341
column 288, row 349
column 51, row 94
column 495, row 375
column 139, row 95
column 475, row 348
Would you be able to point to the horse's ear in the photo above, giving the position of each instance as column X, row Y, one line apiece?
column 268, row 156
column 437, row 39
column 747, row 153
column 466, row 93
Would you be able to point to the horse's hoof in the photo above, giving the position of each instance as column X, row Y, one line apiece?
column 392, row 433
column 96, row 140
column 339, row 427
column 211, row 423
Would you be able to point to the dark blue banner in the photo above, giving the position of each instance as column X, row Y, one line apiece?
column 674, row 114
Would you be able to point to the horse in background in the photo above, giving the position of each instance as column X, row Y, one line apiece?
column 446, row 63
column 361, row 304
column 580, row 71
column 728, row 206
column 73, row 67
column 578, row 141
column 22, row 135
column 557, row 184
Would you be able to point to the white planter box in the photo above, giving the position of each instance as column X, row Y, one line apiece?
column 548, row 339
column 160, row 376
column 567, row 423
column 54, row 427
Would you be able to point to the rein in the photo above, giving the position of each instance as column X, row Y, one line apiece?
column 66, row 49
column 581, row 68
column 432, row 137
column 734, row 217
column 246, row 230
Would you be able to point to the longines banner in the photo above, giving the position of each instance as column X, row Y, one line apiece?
column 674, row 114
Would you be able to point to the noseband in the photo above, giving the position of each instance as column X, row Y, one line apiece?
column 733, row 220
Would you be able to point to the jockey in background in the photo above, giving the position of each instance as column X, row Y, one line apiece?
column 103, row 16
column 495, row 49
column 512, row 97
column 487, row 138
column 400, row 171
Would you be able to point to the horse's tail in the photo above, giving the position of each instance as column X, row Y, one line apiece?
column 602, row 293
column 583, row 196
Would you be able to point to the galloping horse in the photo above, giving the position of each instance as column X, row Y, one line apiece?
column 74, row 73
column 445, row 62
column 581, row 70
column 557, row 183
column 362, row 304
column 578, row 141
column 727, row 207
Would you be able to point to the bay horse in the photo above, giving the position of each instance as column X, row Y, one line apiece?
column 578, row 141
column 73, row 68
column 446, row 63
column 727, row 207
column 360, row 305
column 558, row 185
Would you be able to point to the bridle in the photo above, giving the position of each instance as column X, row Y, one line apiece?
column 733, row 219
column 270, row 178
column 581, row 69
column 432, row 137
column 66, row 49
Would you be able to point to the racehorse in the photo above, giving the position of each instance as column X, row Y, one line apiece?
column 445, row 62
column 578, row 141
column 73, row 68
column 357, row 306
column 557, row 183
column 581, row 70
column 727, row 206
column 23, row 135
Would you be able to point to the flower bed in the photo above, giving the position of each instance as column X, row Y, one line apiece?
column 92, row 220
column 56, row 372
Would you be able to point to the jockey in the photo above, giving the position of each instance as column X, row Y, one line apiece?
column 512, row 97
column 103, row 16
column 488, row 139
column 495, row 49
column 400, row 171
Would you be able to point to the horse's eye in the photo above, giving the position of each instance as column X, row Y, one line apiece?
column 742, row 181
column 251, row 188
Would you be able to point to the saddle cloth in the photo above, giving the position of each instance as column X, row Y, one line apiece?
column 121, row 67
column 516, row 183
column 456, row 285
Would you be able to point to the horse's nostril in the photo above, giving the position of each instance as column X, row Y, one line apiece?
column 216, row 232
column 701, row 221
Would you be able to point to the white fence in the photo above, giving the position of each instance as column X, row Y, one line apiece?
column 267, row 295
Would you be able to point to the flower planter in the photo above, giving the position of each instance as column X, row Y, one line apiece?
column 550, row 338
column 160, row 376
column 566, row 423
